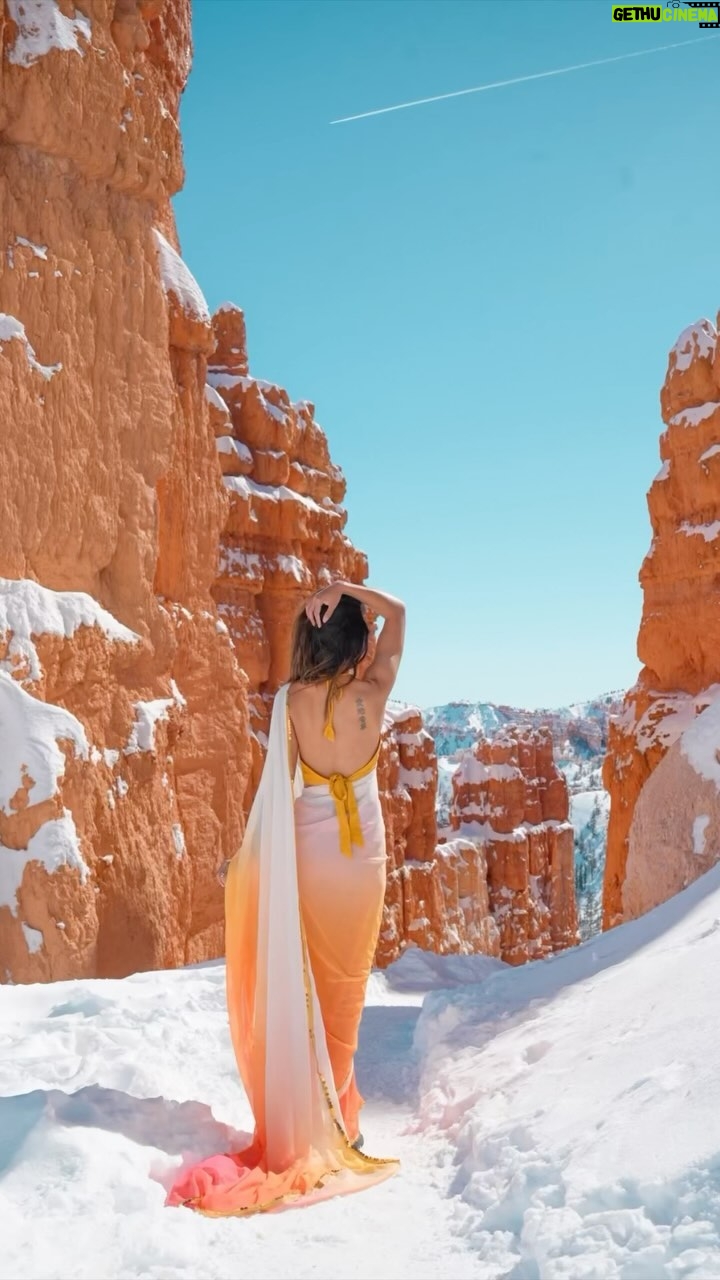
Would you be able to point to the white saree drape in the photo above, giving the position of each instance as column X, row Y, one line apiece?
column 301, row 1150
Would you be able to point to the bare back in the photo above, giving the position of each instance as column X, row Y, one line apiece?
column 357, row 716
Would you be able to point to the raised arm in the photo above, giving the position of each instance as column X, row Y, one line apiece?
column 388, row 650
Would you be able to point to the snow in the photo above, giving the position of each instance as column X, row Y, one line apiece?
column 33, row 938
column 473, row 770
column 669, row 716
column 254, row 566
column 27, row 610
column 293, row 566
column 271, row 492
column 556, row 1121
column 218, row 377
column 700, row 743
column 11, row 329
column 178, row 836
column 55, row 844
column 663, row 473
column 177, row 695
column 214, row 398
column 31, row 731
column 177, row 279
column 227, row 444
column 709, row 453
column 693, row 417
column 42, row 27
column 416, row 778
column 147, row 715
column 38, row 250
column 695, row 342
column 699, row 828
column 581, row 1095
column 708, row 531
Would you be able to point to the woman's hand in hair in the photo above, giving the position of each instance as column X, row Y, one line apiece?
column 327, row 597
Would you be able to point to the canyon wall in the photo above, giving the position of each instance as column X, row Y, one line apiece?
column 123, row 710
column 511, row 800
column 283, row 536
column 662, row 767
column 163, row 513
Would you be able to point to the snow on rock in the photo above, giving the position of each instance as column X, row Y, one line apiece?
column 178, row 836
column 700, row 743
column 177, row 279
column 42, row 26
column 37, row 250
column 709, row 530
column 147, row 715
column 11, row 329
column 33, row 937
column 665, row 719
column 55, row 844
column 700, row 826
column 697, row 342
column 29, row 755
column 227, row 444
column 28, row 609
column 214, row 399
column 692, row 417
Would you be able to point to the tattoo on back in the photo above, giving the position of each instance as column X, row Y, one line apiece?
column 360, row 704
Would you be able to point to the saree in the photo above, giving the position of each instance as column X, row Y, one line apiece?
column 303, row 901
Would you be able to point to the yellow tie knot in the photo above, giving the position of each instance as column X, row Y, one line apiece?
column 339, row 786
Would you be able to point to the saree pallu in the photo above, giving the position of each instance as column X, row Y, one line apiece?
column 301, row 926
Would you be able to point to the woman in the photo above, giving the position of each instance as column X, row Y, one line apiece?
column 303, row 900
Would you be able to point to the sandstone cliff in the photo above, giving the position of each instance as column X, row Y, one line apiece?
column 503, row 884
column 123, row 710
column 510, row 799
column 283, row 535
column 661, row 769
column 437, row 895
column 163, row 513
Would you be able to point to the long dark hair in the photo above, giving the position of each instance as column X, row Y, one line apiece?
column 326, row 652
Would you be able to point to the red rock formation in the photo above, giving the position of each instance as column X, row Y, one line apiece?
column 509, row 798
column 437, row 894
column 283, row 535
column 123, row 711
column 136, row 662
column 655, row 846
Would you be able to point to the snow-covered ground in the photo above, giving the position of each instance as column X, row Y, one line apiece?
column 560, row 1121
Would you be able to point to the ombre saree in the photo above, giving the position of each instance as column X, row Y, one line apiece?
column 302, row 917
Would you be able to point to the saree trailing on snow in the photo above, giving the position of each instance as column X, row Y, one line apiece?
column 304, row 898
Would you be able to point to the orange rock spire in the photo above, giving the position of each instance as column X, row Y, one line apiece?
column 665, row 816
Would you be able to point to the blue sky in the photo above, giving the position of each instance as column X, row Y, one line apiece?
column 479, row 296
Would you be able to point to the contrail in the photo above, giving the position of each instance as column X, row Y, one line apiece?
column 502, row 84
